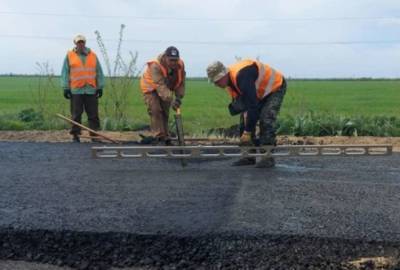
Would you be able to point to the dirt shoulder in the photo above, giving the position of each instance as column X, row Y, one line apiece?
column 63, row 136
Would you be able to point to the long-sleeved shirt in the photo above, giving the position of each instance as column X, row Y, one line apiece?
column 87, row 89
column 246, row 81
column 165, row 85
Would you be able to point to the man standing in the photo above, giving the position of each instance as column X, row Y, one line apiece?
column 257, row 91
column 82, row 79
column 163, row 78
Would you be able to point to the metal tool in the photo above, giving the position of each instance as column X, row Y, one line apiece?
column 202, row 151
column 179, row 132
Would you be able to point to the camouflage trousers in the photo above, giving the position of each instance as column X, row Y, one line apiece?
column 269, row 109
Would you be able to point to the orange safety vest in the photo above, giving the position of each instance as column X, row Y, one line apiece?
column 82, row 74
column 148, row 85
column 269, row 80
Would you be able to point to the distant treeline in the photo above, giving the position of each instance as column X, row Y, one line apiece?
column 318, row 79
column 205, row 79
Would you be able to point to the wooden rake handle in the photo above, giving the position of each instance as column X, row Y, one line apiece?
column 86, row 128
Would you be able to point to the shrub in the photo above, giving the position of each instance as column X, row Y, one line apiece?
column 120, row 81
column 30, row 115
column 311, row 124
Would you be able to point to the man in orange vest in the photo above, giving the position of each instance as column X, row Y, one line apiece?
column 257, row 92
column 83, row 81
column 163, row 78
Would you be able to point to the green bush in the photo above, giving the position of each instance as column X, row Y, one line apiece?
column 306, row 124
column 311, row 124
column 118, row 125
column 30, row 115
column 9, row 122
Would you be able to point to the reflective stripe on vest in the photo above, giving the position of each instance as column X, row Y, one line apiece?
column 146, row 81
column 82, row 69
column 268, row 81
column 82, row 74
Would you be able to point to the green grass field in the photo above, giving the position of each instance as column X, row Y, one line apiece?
column 205, row 106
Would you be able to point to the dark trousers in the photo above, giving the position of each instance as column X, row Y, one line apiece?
column 89, row 104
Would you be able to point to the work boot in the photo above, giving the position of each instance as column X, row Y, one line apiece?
column 245, row 161
column 76, row 139
column 168, row 141
column 266, row 162
column 95, row 139
column 147, row 139
column 162, row 141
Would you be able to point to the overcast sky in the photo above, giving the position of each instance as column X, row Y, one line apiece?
column 308, row 38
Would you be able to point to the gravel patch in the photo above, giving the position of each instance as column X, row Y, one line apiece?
column 85, row 250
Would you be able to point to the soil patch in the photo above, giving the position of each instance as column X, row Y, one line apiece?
column 63, row 136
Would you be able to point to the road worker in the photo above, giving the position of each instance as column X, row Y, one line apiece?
column 257, row 92
column 82, row 79
column 163, row 87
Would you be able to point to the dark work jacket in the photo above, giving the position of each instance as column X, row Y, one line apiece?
column 246, row 81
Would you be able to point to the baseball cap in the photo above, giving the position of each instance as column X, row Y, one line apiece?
column 172, row 52
column 78, row 38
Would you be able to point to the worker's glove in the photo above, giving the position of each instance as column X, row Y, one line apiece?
column 245, row 139
column 177, row 103
column 237, row 106
column 166, row 95
column 67, row 93
column 99, row 93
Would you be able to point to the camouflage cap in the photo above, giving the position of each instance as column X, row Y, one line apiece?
column 78, row 38
column 216, row 71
